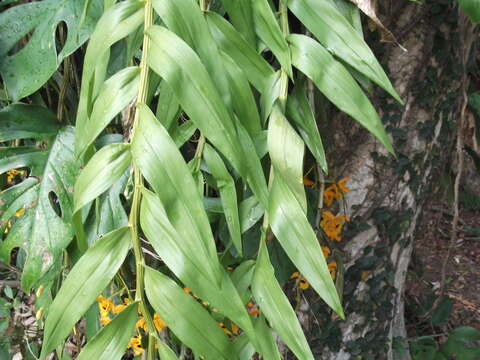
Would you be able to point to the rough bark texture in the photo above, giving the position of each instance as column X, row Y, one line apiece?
column 388, row 195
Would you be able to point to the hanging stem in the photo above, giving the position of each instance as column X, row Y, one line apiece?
column 138, row 180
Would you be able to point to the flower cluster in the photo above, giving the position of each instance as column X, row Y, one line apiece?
column 107, row 306
column 303, row 283
column 333, row 225
column 335, row 191
column 11, row 174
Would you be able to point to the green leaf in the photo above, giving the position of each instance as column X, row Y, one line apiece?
column 165, row 352
column 256, row 68
column 228, row 194
column 28, row 69
column 243, row 347
column 300, row 112
column 336, row 83
column 265, row 335
column 103, row 170
column 471, row 8
column 286, row 151
column 112, row 340
column 241, row 15
column 23, row 156
column 183, row 257
column 250, row 211
column 292, row 229
column 22, row 121
column 116, row 93
column 163, row 166
column 242, row 279
column 90, row 275
column 335, row 33
column 268, row 29
column 244, row 105
column 40, row 230
column 270, row 95
column 186, row 318
column 185, row 19
column 176, row 62
column 276, row 307
column 14, row 198
column 168, row 107
column 459, row 344
column 116, row 23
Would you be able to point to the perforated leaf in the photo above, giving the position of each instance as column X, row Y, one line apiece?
column 27, row 70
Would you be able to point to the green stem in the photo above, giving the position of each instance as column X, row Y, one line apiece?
column 138, row 179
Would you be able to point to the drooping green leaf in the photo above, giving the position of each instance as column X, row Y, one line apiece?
column 165, row 352
column 45, row 229
column 21, row 121
column 168, row 107
column 27, row 70
column 176, row 62
column 112, row 340
column 241, row 15
column 228, row 194
column 265, row 335
column 243, row 102
column 186, row 318
column 185, row 19
column 243, row 347
column 276, row 307
column 250, row 211
column 90, row 275
column 300, row 112
column 292, row 229
column 184, row 259
column 115, row 94
column 286, row 151
column 268, row 29
column 116, row 23
column 336, row 83
column 103, row 170
column 472, row 8
column 336, row 34
column 257, row 70
column 270, row 95
column 166, row 171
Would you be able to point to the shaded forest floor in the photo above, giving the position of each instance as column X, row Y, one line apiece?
column 461, row 304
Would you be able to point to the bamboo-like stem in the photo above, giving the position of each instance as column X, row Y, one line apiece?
column 138, row 179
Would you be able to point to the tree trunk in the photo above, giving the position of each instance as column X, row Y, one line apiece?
column 388, row 195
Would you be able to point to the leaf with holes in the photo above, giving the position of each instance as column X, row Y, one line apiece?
column 27, row 70
column 44, row 230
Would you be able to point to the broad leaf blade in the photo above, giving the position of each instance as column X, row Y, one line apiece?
column 187, row 319
column 41, row 231
column 228, row 194
column 21, row 121
column 334, row 32
column 292, row 229
column 300, row 112
column 336, row 83
column 111, row 341
column 116, row 93
column 90, row 275
column 268, row 29
column 165, row 352
column 176, row 62
column 103, row 170
column 276, row 307
column 241, row 15
column 27, row 70
column 257, row 70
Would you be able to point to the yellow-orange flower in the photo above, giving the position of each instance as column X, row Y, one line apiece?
column 141, row 324
column 253, row 309
column 326, row 251
column 302, row 282
column 159, row 323
column 136, row 344
column 341, row 185
column 104, row 305
column 332, row 267
column 308, row 182
column 118, row 308
column 104, row 320
column 332, row 225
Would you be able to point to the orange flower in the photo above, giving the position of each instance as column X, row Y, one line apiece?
column 332, row 225
column 332, row 192
column 141, row 324
column 302, row 283
column 326, row 251
column 332, row 267
column 341, row 185
column 159, row 323
column 104, row 320
column 104, row 305
column 118, row 308
column 234, row 328
column 308, row 182
column 136, row 344
column 253, row 309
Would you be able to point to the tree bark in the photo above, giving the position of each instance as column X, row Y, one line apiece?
column 388, row 194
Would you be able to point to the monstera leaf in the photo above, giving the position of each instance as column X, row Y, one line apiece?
column 42, row 204
column 27, row 70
